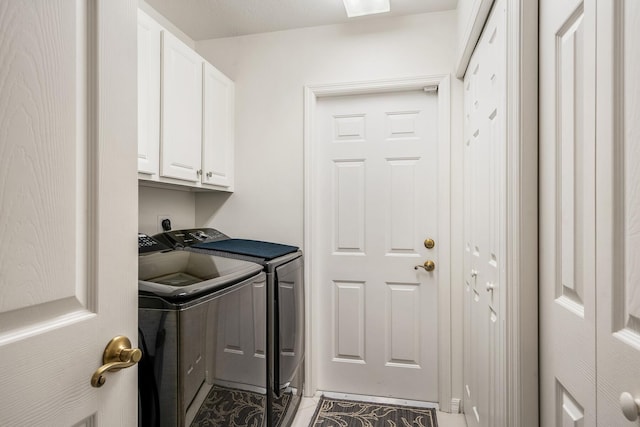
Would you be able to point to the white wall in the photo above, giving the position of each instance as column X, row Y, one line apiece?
column 179, row 205
column 270, row 71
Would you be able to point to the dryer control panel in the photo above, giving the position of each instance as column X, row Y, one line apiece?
column 189, row 236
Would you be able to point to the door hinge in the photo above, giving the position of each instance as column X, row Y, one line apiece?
column 430, row 88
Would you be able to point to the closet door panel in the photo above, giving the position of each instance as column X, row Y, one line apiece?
column 618, row 207
column 567, row 212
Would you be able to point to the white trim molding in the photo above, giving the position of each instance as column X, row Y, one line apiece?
column 473, row 29
column 311, row 95
column 522, row 214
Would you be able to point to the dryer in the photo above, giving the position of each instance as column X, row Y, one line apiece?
column 283, row 309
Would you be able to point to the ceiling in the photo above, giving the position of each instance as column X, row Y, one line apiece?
column 208, row 19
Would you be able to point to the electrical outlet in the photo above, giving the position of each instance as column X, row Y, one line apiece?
column 162, row 218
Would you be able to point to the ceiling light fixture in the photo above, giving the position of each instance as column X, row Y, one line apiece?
column 365, row 7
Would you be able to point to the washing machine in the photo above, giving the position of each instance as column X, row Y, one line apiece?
column 183, row 299
column 282, row 301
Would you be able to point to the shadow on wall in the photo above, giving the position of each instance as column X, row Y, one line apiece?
column 208, row 205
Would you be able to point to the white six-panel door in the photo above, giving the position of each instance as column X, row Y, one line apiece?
column 484, row 216
column 68, row 220
column 377, row 163
column 567, row 213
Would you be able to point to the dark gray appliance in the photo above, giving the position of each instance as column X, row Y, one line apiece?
column 181, row 298
column 284, row 268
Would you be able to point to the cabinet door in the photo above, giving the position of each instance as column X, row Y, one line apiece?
column 148, row 94
column 181, row 122
column 218, row 137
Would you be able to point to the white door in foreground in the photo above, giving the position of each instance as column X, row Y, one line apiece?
column 68, row 217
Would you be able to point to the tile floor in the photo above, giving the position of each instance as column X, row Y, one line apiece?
column 308, row 407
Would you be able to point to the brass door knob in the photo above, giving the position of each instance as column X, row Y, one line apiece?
column 117, row 355
column 428, row 266
column 429, row 243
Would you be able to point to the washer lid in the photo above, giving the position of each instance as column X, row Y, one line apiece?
column 253, row 248
column 182, row 275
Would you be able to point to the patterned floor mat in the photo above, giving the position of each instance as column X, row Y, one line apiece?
column 347, row 413
column 229, row 407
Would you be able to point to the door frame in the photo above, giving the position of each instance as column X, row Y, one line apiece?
column 521, row 294
column 311, row 95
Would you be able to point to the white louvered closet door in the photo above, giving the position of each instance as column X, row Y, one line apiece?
column 484, row 216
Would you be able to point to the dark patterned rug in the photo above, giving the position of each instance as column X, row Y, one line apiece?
column 348, row 413
column 230, row 407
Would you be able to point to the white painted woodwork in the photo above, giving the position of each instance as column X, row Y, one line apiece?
column 148, row 95
column 618, row 208
column 567, row 213
column 590, row 294
column 185, row 114
column 67, row 257
column 377, row 168
column 218, row 128
column 472, row 15
column 181, row 110
column 484, row 236
column 240, row 350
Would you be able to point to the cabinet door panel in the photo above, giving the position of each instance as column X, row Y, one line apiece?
column 148, row 94
column 181, row 123
column 217, row 141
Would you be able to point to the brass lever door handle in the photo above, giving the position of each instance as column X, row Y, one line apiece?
column 117, row 355
column 428, row 266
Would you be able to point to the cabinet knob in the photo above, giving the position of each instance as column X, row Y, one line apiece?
column 209, row 174
column 630, row 406
column 490, row 286
column 199, row 172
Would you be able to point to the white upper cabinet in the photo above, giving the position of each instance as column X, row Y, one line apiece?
column 185, row 114
column 181, row 112
column 148, row 95
column 217, row 138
